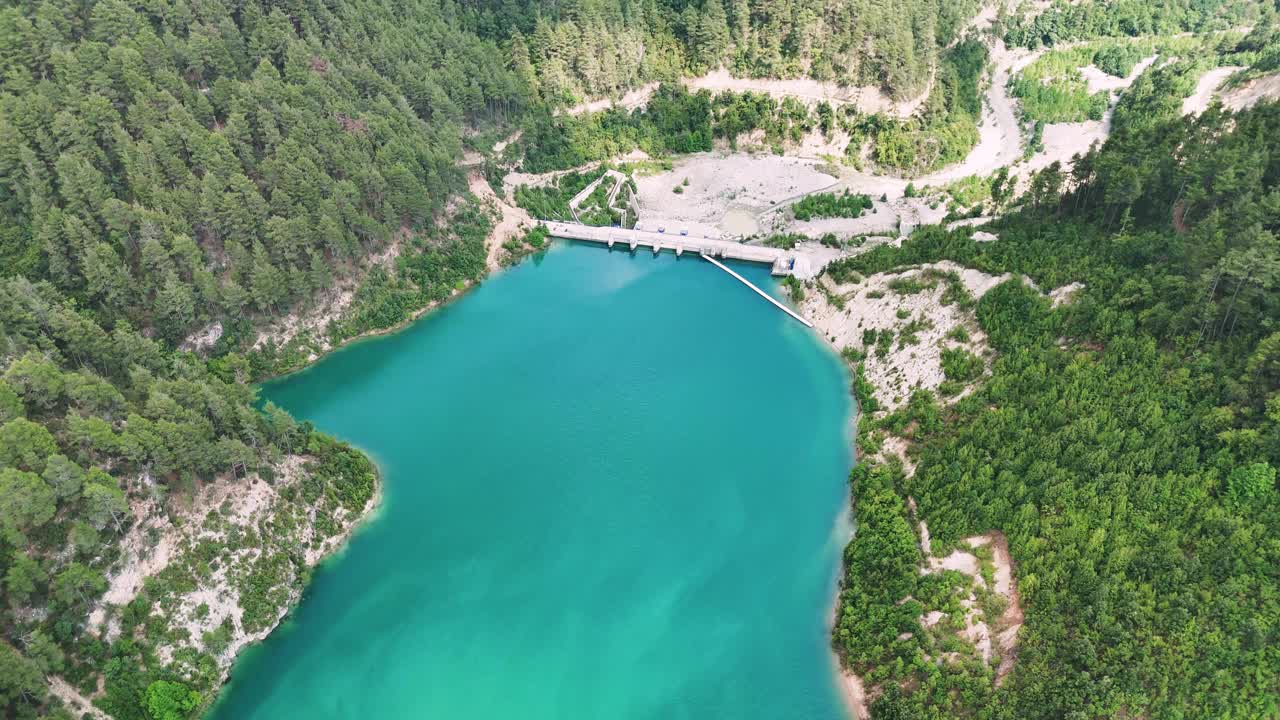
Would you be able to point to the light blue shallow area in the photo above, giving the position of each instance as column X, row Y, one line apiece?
column 612, row 491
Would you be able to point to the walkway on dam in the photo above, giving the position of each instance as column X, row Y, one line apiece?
column 760, row 292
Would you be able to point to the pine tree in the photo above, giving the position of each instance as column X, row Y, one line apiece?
column 712, row 36
column 319, row 275
column 106, row 278
column 522, row 65
column 269, row 284
column 64, row 476
column 234, row 298
column 175, row 308
column 740, row 21
column 26, row 503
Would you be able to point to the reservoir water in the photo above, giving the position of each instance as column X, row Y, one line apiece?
column 613, row 489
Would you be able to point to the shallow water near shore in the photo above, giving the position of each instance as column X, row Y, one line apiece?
column 612, row 485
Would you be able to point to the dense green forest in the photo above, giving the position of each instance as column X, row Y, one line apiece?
column 1126, row 443
column 673, row 121
column 1263, row 41
column 592, row 48
column 1065, row 21
column 175, row 165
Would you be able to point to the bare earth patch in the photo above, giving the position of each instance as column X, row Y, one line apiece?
column 970, row 222
column 999, row 136
column 737, row 195
column 511, row 222
column 79, row 705
column 980, row 557
column 1098, row 80
column 140, row 558
column 867, row 99
column 958, row 560
column 719, row 184
column 882, row 220
column 1012, row 618
column 203, row 339
column 502, row 144
column 329, row 306
column 817, row 145
column 1003, row 641
column 1206, row 87
column 630, row 101
column 1063, row 141
column 513, row 180
column 855, row 695
column 1253, row 92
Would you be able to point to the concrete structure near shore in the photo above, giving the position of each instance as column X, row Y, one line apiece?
column 783, row 262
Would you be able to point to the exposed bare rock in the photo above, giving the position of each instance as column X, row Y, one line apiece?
column 265, row 533
column 1253, row 92
column 1065, row 294
column 203, row 339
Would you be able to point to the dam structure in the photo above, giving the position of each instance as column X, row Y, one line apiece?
column 783, row 262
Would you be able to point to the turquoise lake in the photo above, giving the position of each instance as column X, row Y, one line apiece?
column 614, row 490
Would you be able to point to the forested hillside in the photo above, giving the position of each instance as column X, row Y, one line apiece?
column 1126, row 443
column 1065, row 21
column 167, row 167
column 174, row 164
column 93, row 423
column 171, row 170
column 676, row 120
column 591, row 48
